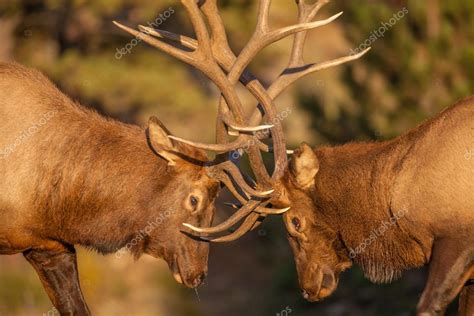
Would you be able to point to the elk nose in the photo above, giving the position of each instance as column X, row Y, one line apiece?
column 328, row 285
column 305, row 294
column 309, row 295
column 199, row 280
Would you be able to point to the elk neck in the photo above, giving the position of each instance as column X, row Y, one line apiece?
column 353, row 193
column 98, row 189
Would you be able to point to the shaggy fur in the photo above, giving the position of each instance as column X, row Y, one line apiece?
column 388, row 206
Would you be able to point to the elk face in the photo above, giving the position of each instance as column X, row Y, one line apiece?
column 211, row 54
column 189, row 197
column 319, row 254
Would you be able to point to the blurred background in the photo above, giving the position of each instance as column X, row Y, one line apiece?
column 419, row 65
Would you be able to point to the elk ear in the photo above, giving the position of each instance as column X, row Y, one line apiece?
column 160, row 142
column 304, row 166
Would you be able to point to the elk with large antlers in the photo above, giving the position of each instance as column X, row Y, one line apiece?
column 340, row 195
column 211, row 54
column 71, row 177
column 80, row 179
column 387, row 206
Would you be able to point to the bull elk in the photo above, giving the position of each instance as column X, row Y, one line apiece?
column 212, row 55
column 418, row 187
column 388, row 207
column 73, row 177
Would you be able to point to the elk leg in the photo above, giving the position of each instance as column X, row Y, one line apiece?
column 450, row 268
column 466, row 300
column 57, row 270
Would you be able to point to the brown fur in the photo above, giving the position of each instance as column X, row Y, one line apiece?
column 355, row 189
column 81, row 179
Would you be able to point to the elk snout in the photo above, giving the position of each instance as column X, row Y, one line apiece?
column 199, row 280
column 320, row 284
column 193, row 280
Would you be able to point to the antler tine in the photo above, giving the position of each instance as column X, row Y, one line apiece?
column 258, row 222
column 219, row 148
column 246, row 210
column 261, row 38
column 226, row 172
column 231, row 221
column 188, row 42
column 233, row 171
column 262, row 16
column 271, row 211
column 297, row 68
column 219, row 41
column 306, row 12
column 226, row 147
column 246, row 226
column 289, row 77
column 201, row 58
column 233, row 205
column 230, row 186
column 241, row 128
column 171, row 50
column 199, row 25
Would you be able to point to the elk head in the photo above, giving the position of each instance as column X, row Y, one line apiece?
column 319, row 253
column 192, row 194
column 187, row 160
column 211, row 54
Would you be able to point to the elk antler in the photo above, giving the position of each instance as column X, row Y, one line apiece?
column 236, row 66
column 297, row 68
column 211, row 53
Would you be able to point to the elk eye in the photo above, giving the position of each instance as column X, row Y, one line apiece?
column 296, row 223
column 194, row 200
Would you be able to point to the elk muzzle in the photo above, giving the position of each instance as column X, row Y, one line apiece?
column 317, row 282
column 190, row 269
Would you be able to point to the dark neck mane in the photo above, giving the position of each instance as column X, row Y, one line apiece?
column 353, row 192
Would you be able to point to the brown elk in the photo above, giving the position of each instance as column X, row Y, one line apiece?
column 72, row 177
column 387, row 206
column 211, row 54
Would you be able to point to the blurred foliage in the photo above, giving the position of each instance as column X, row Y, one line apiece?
column 423, row 63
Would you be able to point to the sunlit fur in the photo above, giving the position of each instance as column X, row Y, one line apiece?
column 356, row 188
column 83, row 179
